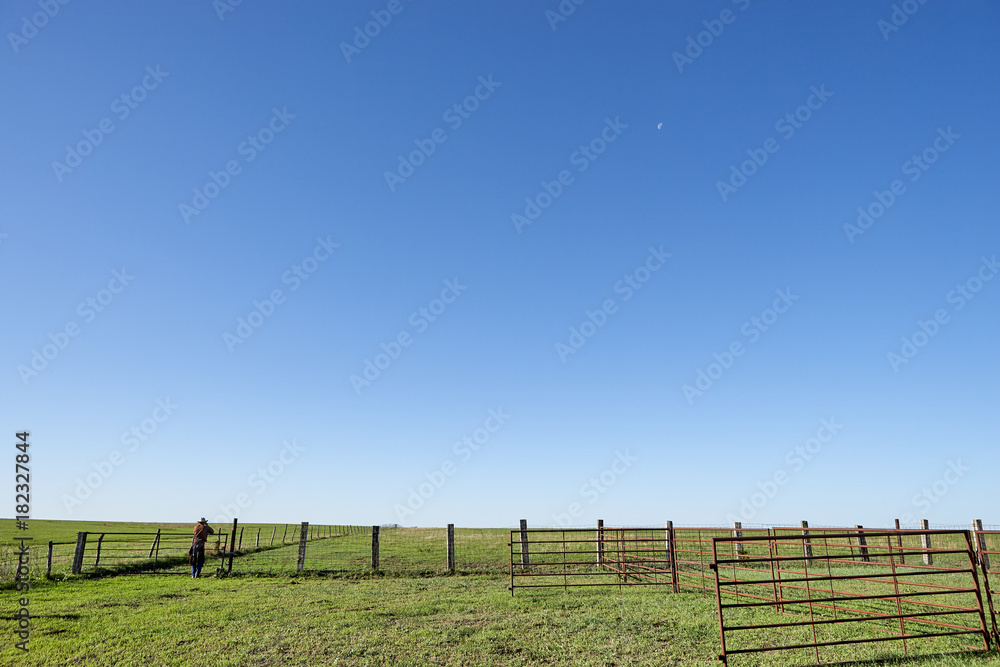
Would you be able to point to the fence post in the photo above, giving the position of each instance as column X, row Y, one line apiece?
column 524, row 544
column 984, row 558
column 232, row 546
column 375, row 548
column 738, row 534
column 925, row 542
column 271, row 544
column 257, row 543
column 667, row 546
column 899, row 543
column 240, row 546
column 97, row 560
column 48, row 562
column 81, row 544
column 807, row 550
column 862, row 542
column 284, row 533
column 672, row 556
column 451, row 547
column 303, row 538
column 600, row 543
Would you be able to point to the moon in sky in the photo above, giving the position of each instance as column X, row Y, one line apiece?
column 660, row 125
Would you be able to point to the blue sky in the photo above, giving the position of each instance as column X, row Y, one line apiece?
column 697, row 168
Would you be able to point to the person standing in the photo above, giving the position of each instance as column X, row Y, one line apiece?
column 201, row 532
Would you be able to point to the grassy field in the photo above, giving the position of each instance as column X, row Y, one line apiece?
column 312, row 620
column 412, row 613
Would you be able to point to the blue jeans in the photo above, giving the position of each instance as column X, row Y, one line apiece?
column 197, row 557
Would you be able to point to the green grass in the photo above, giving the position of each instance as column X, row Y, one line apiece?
column 319, row 620
column 411, row 612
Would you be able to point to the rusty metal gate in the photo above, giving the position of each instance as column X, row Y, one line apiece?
column 988, row 550
column 693, row 548
column 158, row 552
column 569, row 557
column 846, row 588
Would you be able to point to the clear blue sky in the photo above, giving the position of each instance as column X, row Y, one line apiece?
column 632, row 141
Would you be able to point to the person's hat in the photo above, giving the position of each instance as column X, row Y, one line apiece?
column 202, row 520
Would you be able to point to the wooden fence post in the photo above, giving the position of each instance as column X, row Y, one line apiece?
column 862, row 542
column 257, row 543
column 925, row 542
column 600, row 543
column 81, row 545
column 524, row 544
column 232, row 546
column 807, row 550
column 375, row 548
column 240, row 547
column 48, row 562
column 275, row 530
column 672, row 556
column 97, row 560
column 666, row 542
column 284, row 533
column 303, row 538
column 738, row 534
column 451, row 547
column 899, row 543
column 984, row 558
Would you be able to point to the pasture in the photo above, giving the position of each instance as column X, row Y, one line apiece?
column 412, row 612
